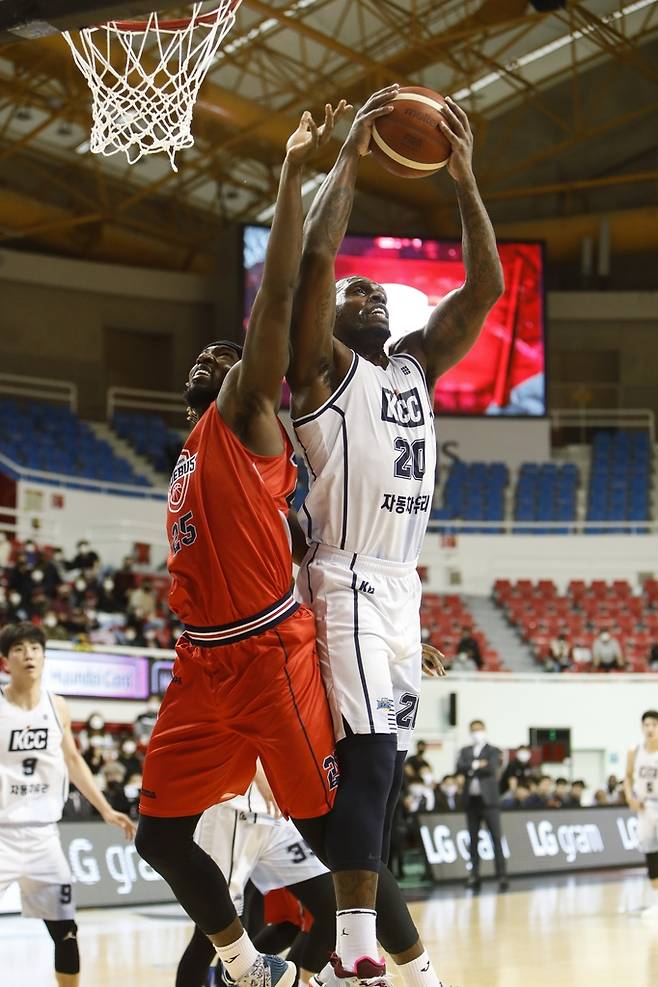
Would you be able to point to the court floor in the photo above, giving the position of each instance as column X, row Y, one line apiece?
column 563, row 932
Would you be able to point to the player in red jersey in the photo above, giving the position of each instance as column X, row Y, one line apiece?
column 246, row 680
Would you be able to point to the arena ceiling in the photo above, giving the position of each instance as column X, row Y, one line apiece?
column 564, row 107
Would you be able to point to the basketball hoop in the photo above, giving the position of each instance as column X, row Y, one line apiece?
column 145, row 76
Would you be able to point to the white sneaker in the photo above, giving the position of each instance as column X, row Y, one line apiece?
column 267, row 971
column 367, row 973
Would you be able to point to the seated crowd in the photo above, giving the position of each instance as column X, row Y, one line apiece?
column 595, row 627
column 522, row 785
column 79, row 599
column 114, row 753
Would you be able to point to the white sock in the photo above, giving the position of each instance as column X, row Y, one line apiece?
column 238, row 956
column 419, row 972
column 356, row 935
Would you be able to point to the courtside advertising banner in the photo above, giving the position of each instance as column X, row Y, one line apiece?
column 106, row 870
column 533, row 841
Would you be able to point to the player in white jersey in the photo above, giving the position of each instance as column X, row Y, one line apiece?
column 364, row 419
column 37, row 757
column 250, row 841
column 641, row 789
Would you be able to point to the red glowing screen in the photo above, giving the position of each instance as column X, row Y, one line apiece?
column 504, row 373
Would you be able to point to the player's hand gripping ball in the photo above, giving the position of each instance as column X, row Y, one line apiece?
column 432, row 663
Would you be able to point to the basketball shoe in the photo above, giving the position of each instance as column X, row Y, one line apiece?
column 267, row 971
column 366, row 973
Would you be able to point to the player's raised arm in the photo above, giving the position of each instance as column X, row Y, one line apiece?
column 312, row 374
column 266, row 350
column 457, row 320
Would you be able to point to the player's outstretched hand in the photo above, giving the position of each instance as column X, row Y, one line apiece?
column 379, row 104
column 123, row 822
column 309, row 137
column 457, row 129
column 432, row 663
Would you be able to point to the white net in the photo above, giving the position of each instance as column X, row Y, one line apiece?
column 145, row 77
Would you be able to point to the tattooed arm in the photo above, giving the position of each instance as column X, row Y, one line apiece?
column 455, row 323
column 318, row 362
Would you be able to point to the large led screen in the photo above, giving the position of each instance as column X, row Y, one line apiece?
column 503, row 374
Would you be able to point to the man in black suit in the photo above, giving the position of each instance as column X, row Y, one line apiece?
column 480, row 763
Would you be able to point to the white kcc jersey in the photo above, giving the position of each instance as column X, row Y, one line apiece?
column 645, row 775
column 34, row 781
column 371, row 457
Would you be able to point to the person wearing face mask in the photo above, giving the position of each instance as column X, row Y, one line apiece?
column 606, row 653
column 52, row 627
column 480, row 763
column 85, row 558
column 519, row 767
column 448, row 798
column 128, row 756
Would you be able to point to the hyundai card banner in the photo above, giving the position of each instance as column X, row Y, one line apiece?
column 533, row 841
column 80, row 673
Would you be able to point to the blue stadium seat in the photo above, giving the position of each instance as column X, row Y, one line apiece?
column 51, row 438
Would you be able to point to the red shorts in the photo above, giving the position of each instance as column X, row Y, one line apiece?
column 281, row 905
column 227, row 706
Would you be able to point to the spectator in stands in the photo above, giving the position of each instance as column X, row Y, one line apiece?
column 20, row 579
column 558, row 654
column 143, row 725
column 561, row 792
column 518, row 767
column 142, row 600
column 600, row 798
column 128, row 756
column 85, row 559
column 516, row 799
column 607, row 653
column 53, row 629
column 107, row 601
column 468, row 650
column 94, row 755
column 5, row 550
column 448, row 798
column 124, row 581
column 534, row 800
column 420, row 793
column 614, row 789
column 581, row 654
column 53, row 573
column 132, row 789
column 653, row 656
column 508, row 796
column 16, row 609
column 31, row 553
column 115, row 776
column 417, row 762
column 576, row 794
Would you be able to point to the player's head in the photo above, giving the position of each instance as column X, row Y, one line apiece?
column 650, row 724
column 22, row 647
column 206, row 377
column 361, row 314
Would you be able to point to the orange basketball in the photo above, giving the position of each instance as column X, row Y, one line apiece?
column 409, row 142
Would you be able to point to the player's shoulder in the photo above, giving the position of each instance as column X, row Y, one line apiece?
column 61, row 707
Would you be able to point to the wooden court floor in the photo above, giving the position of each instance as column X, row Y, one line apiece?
column 565, row 932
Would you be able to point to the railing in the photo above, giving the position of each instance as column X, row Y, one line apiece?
column 142, row 400
column 585, row 419
column 40, row 389
column 26, row 473
column 40, row 525
column 512, row 527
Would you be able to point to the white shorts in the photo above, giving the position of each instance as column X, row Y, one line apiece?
column 33, row 856
column 247, row 846
column 367, row 615
column 647, row 830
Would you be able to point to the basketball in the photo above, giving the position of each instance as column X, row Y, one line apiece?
column 409, row 142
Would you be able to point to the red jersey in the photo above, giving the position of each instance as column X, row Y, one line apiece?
column 230, row 559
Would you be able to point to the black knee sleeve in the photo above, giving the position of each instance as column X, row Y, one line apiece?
column 355, row 827
column 395, row 928
column 193, row 966
column 67, row 954
column 194, row 877
column 391, row 804
column 652, row 865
